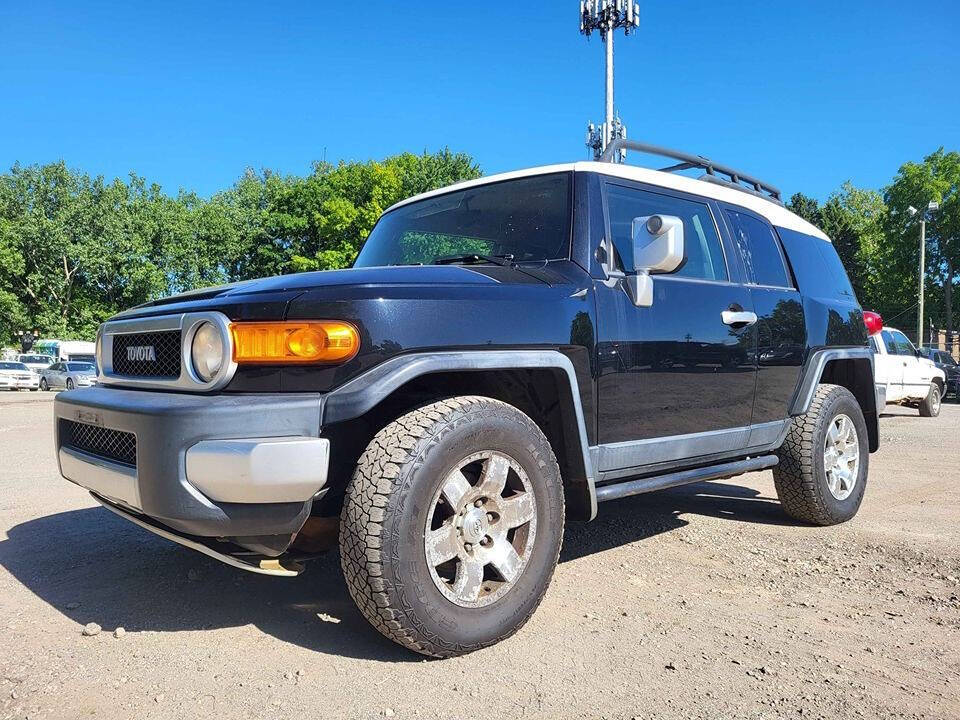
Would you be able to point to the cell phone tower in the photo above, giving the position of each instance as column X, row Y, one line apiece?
column 605, row 16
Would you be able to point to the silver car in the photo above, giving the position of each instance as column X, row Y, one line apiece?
column 68, row 375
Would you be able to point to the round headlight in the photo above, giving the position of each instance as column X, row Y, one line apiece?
column 207, row 351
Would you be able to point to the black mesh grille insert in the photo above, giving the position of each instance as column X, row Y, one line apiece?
column 150, row 354
column 113, row 445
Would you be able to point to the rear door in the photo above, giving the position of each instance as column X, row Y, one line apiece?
column 781, row 328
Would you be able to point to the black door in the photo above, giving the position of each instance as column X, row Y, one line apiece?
column 781, row 328
column 676, row 380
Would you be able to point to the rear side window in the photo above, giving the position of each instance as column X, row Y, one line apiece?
column 760, row 250
column 703, row 254
column 816, row 265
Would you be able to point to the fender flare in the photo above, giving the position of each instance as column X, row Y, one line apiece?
column 813, row 372
column 362, row 393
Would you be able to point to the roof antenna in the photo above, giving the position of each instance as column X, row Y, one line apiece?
column 605, row 16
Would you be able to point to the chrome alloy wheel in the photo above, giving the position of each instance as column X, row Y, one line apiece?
column 841, row 457
column 481, row 529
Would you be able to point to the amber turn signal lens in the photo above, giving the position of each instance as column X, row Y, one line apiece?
column 294, row 342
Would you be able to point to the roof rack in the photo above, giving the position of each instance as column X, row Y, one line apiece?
column 688, row 161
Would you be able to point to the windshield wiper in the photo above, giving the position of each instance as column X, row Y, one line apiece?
column 467, row 258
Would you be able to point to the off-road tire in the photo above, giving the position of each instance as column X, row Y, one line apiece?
column 930, row 405
column 386, row 507
column 800, row 479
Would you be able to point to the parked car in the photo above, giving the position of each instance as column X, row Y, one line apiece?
column 17, row 376
column 505, row 354
column 903, row 375
column 68, row 375
column 35, row 362
column 945, row 362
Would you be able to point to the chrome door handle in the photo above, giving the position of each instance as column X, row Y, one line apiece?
column 742, row 317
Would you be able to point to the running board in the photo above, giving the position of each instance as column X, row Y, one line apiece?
column 684, row 477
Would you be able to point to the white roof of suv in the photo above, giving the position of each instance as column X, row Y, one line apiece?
column 776, row 214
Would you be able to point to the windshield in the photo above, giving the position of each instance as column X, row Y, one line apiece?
column 523, row 219
column 79, row 367
column 45, row 359
column 13, row 366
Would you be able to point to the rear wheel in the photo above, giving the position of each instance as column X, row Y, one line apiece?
column 823, row 460
column 451, row 525
column 930, row 405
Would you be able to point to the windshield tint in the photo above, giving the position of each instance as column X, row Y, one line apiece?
column 36, row 359
column 79, row 367
column 528, row 218
column 13, row 366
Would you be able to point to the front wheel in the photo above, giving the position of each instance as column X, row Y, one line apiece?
column 823, row 460
column 69, row 384
column 930, row 405
column 451, row 525
column 43, row 384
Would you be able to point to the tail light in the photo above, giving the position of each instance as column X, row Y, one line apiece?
column 873, row 321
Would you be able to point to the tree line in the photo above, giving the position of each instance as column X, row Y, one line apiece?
column 878, row 239
column 74, row 249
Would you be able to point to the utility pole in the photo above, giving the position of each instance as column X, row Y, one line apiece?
column 923, row 263
column 605, row 16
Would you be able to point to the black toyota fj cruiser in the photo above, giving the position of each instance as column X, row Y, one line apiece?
column 505, row 354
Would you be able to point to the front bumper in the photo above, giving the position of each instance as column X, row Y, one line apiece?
column 240, row 467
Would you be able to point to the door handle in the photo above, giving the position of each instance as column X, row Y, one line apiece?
column 738, row 317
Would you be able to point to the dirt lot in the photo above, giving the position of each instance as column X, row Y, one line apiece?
column 699, row 602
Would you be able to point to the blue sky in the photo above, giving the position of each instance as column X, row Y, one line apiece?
column 805, row 94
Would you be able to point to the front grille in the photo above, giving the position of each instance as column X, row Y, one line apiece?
column 114, row 445
column 166, row 350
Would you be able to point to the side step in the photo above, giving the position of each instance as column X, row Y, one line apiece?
column 685, row 477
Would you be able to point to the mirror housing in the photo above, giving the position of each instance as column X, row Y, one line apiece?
column 657, row 248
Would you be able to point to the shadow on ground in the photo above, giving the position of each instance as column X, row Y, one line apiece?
column 123, row 576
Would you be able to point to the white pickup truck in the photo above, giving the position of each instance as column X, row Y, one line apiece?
column 905, row 376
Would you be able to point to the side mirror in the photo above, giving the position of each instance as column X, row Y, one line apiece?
column 657, row 248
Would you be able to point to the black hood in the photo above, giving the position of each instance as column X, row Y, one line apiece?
column 268, row 293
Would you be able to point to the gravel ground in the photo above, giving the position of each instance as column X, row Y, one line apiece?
column 698, row 602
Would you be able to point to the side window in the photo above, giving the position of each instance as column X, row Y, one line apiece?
column 703, row 253
column 904, row 346
column 889, row 343
column 760, row 250
column 874, row 344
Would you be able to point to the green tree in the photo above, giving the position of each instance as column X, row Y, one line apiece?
column 74, row 249
column 937, row 179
